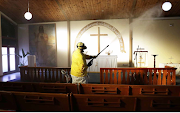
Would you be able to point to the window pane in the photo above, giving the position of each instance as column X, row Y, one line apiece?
column 12, row 58
column 4, row 59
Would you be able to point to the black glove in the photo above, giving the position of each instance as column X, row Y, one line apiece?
column 94, row 56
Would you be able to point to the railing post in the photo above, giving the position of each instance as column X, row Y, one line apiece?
column 155, row 77
column 174, row 77
column 159, row 77
column 164, row 77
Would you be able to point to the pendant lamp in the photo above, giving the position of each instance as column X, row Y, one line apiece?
column 166, row 6
column 28, row 15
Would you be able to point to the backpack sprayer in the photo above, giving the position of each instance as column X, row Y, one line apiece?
column 68, row 77
column 91, row 61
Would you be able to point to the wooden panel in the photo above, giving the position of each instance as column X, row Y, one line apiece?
column 115, row 76
column 154, row 90
column 16, row 86
column 56, row 88
column 103, row 89
column 42, row 101
column 158, row 104
column 7, row 101
column 95, row 102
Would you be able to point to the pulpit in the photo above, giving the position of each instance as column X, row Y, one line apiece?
column 141, row 59
column 103, row 61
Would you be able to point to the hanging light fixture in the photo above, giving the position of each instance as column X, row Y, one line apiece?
column 166, row 6
column 28, row 15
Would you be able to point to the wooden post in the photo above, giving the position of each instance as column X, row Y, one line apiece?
column 130, row 41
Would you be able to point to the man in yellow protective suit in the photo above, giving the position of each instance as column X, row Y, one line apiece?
column 79, row 66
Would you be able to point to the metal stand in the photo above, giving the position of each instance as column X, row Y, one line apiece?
column 154, row 60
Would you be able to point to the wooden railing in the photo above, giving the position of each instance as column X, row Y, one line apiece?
column 43, row 74
column 138, row 76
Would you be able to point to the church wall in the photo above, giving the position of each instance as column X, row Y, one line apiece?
column 159, row 37
column 61, row 39
column 121, row 25
column 156, row 36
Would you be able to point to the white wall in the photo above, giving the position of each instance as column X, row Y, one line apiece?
column 23, row 40
column 62, row 44
column 122, row 25
column 158, row 37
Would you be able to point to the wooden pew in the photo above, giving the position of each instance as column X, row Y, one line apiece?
column 105, row 102
column 155, row 90
column 102, row 102
column 136, row 90
column 30, row 101
column 39, row 87
column 7, row 101
column 56, row 88
column 17, row 86
column 104, row 89
column 158, row 103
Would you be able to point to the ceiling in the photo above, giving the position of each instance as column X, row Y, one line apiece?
column 73, row 10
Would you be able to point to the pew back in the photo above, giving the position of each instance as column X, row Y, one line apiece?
column 95, row 102
column 39, row 87
column 136, row 90
column 104, row 89
column 56, row 88
column 17, row 86
column 30, row 101
column 158, row 103
column 7, row 101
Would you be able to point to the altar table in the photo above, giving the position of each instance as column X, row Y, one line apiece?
column 103, row 61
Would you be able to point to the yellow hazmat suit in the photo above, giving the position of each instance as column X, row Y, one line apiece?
column 79, row 66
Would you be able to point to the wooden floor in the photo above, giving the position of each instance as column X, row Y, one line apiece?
column 10, row 77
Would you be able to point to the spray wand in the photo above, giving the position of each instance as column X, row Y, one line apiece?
column 91, row 61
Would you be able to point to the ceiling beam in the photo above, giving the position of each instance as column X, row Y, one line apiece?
column 133, row 7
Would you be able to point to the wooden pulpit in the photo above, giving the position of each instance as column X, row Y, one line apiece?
column 141, row 59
